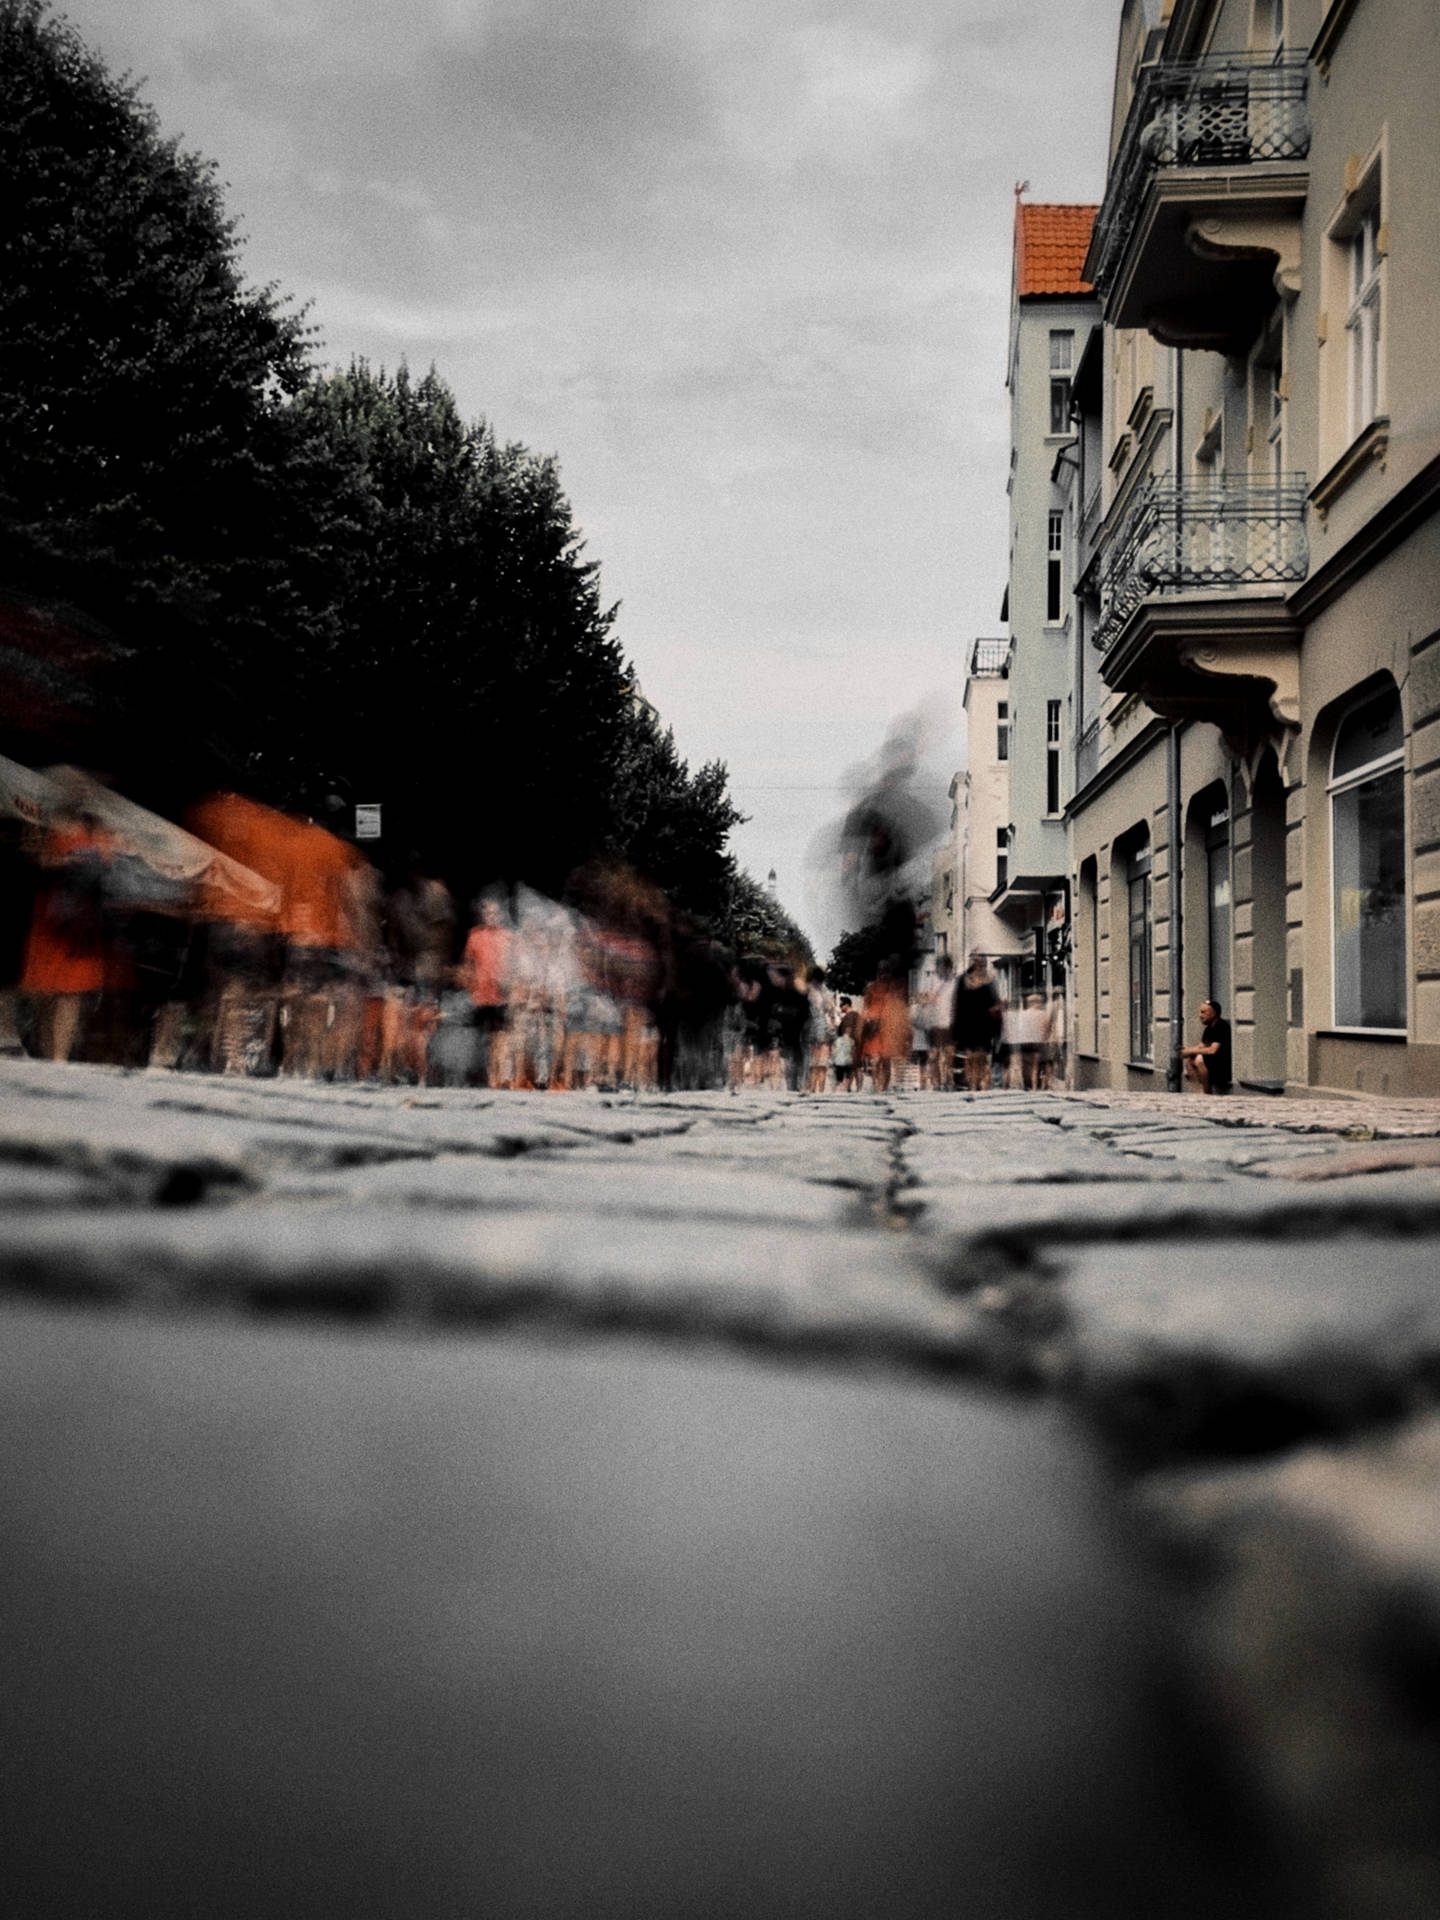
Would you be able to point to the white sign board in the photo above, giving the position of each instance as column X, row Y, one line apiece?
column 367, row 822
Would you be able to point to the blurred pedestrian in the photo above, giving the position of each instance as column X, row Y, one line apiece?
column 977, row 1021
column 846, row 1050
column 792, row 1026
column 420, row 930
column 329, row 916
column 487, row 975
column 67, row 965
column 1057, row 1044
column 234, row 1027
column 1027, row 1031
column 821, row 1033
column 939, row 1018
column 885, row 1024
column 454, row 1053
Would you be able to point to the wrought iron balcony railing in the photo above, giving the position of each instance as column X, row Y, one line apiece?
column 1238, row 533
column 990, row 656
column 1227, row 110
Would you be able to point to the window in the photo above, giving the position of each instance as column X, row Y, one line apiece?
column 1217, row 877
column 1062, row 348
column 1054, row 554
column 1268, row 29
column 1052, row 756
column 1367, row 851
column 1142, row 1013
column 1362, row 322
column 1002, row 730
column 1002, row 857
column 1267, row 412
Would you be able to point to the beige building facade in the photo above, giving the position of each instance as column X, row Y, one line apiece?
column 1255, row 805
column 982, row 802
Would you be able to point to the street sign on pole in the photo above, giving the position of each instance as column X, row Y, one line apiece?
column 367, row 821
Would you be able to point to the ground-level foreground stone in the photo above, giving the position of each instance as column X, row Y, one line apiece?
column 1316, row 1616
column 323, row 1623
column 449, row 1503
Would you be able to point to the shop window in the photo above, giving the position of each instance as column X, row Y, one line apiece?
column 1367, row 854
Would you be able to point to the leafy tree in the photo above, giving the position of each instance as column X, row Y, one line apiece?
column 143, row 476
column 753, row 921
column 475, row 686
column 343, row 585
column 857, row 957
column 672, row 825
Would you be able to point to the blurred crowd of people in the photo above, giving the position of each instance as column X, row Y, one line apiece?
column 259, row 943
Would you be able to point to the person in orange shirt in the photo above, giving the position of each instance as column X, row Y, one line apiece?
column 487, row 974
column 244, row 951
column 67, row 965
column 885, row 1024
column 329, row 916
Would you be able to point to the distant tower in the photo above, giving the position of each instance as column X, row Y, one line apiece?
column 771, row 883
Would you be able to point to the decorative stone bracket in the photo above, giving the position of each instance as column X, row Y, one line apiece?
column 1276, row 661
column 1249, row 234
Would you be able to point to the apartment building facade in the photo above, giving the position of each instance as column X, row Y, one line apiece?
column 1254, row 686
column 1052, row 312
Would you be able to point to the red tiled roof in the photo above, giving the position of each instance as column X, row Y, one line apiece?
column 1051, row 242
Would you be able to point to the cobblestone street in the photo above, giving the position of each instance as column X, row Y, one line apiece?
column 449, row 1503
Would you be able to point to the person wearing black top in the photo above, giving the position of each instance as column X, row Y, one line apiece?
column 977, row 1020
column 1207, row 1063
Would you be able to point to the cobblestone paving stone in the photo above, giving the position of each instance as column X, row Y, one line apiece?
column 721, row 1479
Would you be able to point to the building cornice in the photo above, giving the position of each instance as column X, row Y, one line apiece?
column 1119, row 763
column 1385, row 530
column 1337, row 18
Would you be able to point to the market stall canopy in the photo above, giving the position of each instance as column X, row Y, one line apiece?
column 162, row 846
column 25, row 794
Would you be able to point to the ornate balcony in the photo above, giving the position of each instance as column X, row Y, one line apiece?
column 1200, row 222
column 1193, row 609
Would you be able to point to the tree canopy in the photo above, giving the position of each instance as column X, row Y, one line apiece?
column 144, row 455
column 343, row 585
column 474, row 683
column 857, row 958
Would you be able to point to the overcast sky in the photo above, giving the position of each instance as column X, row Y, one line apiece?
column 742, row 265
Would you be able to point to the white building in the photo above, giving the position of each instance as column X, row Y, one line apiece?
column 1052, row 313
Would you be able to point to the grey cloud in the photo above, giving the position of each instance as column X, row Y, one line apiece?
column 762, row 326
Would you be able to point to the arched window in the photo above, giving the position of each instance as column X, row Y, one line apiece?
column 1367, row 853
